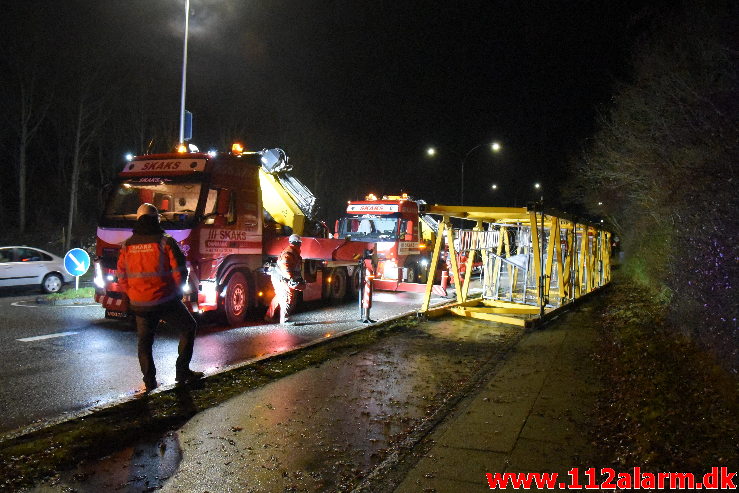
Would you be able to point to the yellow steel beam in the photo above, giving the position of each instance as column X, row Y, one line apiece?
column 515, row 309
column 485, row 214
column 442, row 310
column 581, row 259
column 503, row 233
column 434, row 263
column 453, row 261
column 491, row 317
column 565, row 286
column 474, row 248
column 553, row 236
column 592, row 254
column 536, row 244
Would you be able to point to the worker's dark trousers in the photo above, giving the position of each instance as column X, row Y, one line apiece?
column 177, row 316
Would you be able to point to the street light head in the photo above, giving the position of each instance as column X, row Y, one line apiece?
column 495, row 147
column 431, row 151
column 537, row 186
column 494, row 186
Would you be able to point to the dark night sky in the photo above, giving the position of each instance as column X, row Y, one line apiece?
column 379, row 81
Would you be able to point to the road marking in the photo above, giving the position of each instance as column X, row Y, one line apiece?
column 33, row 304
column 23, row 303
column 47, row 336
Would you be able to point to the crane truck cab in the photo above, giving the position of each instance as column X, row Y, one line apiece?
column 404, row 236
column 213, row 204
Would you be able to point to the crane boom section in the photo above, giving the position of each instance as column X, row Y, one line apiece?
column 280, row 203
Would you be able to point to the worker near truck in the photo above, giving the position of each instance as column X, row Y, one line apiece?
column 152, row 272
column 287, row 281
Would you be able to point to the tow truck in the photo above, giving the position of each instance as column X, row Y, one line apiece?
column 231, row 213
column 404, row 236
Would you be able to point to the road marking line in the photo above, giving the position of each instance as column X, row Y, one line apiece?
column 47, row 336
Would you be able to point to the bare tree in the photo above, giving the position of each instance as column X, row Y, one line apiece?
column 89, row 119
column 32, row 111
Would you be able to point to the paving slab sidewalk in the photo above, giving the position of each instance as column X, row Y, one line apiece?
column 530, row 416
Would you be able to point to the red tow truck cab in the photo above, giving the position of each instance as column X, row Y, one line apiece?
column 211, row 203
column 403, row 235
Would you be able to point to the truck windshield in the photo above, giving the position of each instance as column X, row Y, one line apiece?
column 361, row 228
column 175, row 197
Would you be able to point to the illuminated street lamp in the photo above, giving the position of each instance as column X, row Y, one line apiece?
column 494, row 186
column 537, row 187
column 494, row 147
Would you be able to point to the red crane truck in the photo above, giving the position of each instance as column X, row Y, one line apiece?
column 231, row 213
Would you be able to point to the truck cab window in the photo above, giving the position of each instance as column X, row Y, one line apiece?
column 220, row 202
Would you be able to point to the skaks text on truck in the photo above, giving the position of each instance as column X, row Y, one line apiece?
column 231, row 213
column 404, row 236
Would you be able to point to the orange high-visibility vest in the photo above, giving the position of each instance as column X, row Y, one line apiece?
column 289, row 262
column 151, row 270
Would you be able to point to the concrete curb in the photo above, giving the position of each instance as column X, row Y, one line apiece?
column 62, row 302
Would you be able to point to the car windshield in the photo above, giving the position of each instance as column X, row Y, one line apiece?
column 175, row 198
column 360, row 228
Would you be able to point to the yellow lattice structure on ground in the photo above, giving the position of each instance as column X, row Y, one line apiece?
column 531, row 262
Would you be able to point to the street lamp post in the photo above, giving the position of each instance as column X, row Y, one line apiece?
column 494, row 147
column 184, row 73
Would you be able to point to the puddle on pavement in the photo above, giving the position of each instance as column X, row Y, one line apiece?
column 321, row 429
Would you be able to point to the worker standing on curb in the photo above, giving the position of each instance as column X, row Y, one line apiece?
column 367, row 269
column 287, row 281
column 152, row 273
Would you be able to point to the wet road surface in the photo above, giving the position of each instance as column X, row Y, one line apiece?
column 324, row 428
column 59, row 360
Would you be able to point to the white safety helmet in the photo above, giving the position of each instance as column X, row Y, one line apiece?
column 295, row 239
column 147, row 209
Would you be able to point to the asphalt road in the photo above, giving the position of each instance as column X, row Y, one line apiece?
column 60, row 360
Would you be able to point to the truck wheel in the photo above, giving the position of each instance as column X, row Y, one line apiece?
column 337, row 286
column 236, row 302
column 353, row 288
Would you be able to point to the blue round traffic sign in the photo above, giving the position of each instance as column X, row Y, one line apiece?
column 76, row 261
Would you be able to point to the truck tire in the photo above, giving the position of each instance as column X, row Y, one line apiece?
column 236, row 302
column 338, row 285
column 353, row 288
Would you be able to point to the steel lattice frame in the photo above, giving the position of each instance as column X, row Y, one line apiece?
column 534, row 262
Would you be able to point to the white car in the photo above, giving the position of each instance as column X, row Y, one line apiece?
column 22, row 266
